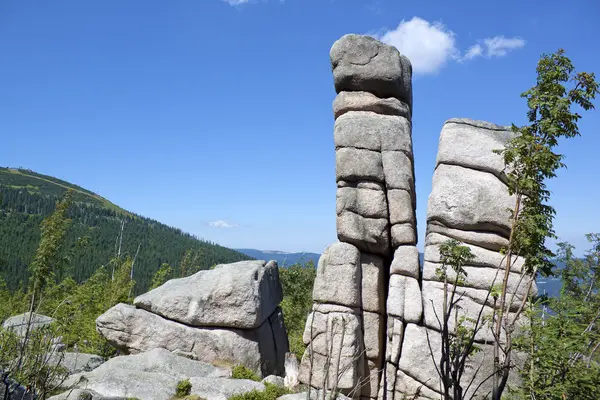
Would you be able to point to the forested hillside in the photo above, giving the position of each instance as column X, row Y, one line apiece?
column 27, row 197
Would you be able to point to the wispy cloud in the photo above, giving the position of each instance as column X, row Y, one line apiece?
column 221, row 224
column 499, row 46
column 235, row 2
column 431, row 45
column 474, row 51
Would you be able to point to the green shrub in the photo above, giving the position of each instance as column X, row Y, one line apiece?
column 271, row 392
column 184, row 388
column 242, row 372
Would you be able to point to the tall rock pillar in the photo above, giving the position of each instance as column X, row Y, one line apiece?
column 469, row 202
column 346, row 332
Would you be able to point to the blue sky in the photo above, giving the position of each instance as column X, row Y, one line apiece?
column 216, row 118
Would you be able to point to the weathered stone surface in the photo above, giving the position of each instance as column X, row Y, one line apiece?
column 358, row 165
column 76, row 362
column 408, row 388
column 370, row 388
column 151, row 375
column 486, row 240
column 482, row 257
column 471, row 144
column 398, row 171
column 365, row 202
column 340, row 336
column 18, row 323
column 466, row 199
column 340, row 262
column 362, row 185
column 135, row 330
column 404, row 298
column 374, row 336
column 481, row 278
column 222, row 388
column 361, row 63
column 406, row 262
column 395, row 335
column 373, row 283
column 404, row 234
column 416, row 347
column 82, row 394
column 367, row 234
column 470, row 305
column 367, row 130
column 238, row 295
column 365, row 101
column 273, row 380
column 400, row 206
column 329, row 308
column 326, row 333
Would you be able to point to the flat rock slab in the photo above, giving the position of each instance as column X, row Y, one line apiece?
column 239, row 295
column 154, row 375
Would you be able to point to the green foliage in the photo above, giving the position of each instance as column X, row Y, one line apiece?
column 563, row 339
column 457, row 346
column 48, row 260
column 184, row 388
column 271, row 392
column 297, row 282
column 530, row 156
column 26, row 198
column 530, row 161
column 79, row 306
column 242, row 372
column 163, row 274
column 190, row 263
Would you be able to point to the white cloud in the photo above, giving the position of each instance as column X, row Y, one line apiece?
column 221, row 224
column 429, row 46
column 474, row 51
column 499, row 46
column 235, row 2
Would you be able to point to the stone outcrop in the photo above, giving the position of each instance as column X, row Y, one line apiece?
column 154, row 375
column 230, row 313
column 375, row 206
column 374, row 312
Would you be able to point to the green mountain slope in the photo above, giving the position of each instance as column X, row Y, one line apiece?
column 27, row 197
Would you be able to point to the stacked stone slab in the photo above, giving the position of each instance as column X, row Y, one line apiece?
column 230, row 313
column 346, row 331
column 469, row 202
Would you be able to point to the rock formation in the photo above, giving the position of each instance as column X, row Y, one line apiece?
column 230, row 313
column 374, row 304
column 154, row 375
column 346, row 332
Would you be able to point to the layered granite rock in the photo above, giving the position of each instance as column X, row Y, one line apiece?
column 469, row 202
column 375, row 206
column 230, row 313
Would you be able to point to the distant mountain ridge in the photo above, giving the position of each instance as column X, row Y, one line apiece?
column 283, row 258
column 26, row 197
